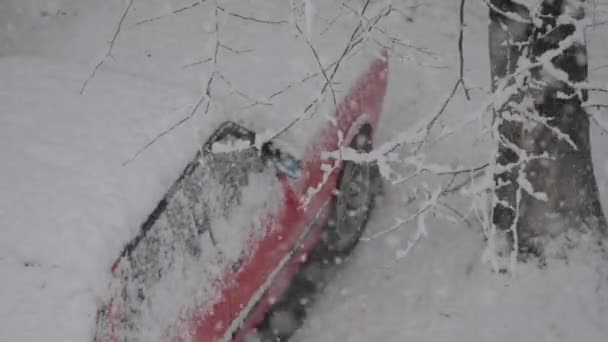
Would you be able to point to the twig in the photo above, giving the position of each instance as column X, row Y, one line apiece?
column 393, row 40
column 110, row 47
column 456, row 213
column 197, row 63
column 328, row 81
column 206, row 95
column 349, row 45
column 460, row 50
column 431, row 123
column 235, row 51
column 458, row 83
column 598, row 123
column 260, row 21
column 398, row 224
column 303, row 80
column 165, row 132
column 331, row 22
column 165, row 15
column 461, row 171
column 452, row 173
column 431, row 203
column 241, row 93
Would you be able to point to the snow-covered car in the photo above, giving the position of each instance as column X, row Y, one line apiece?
column 238, row 223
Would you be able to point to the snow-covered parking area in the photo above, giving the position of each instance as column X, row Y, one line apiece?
column 68, row 204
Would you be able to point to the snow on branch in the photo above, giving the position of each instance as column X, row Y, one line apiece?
column 516, row 17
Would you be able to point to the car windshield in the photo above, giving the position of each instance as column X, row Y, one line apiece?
column 207, row 210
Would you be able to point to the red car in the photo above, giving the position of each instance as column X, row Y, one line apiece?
column 227, row 239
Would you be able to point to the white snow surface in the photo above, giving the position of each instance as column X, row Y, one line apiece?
column 68, row 204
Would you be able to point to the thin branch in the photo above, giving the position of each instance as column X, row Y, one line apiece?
column 328, row 81
column 331, row 23
column 257, row 20
column 400, row 223
column 464, row 183
column 460, row 50
column 235, row 51
column 241, row 93
column 349, row 45
column 431, row 203
column 205, row 95
column 110, row 47
column 197, row 63
column 431, row 123
column 453, row 173
column 394, row 40
column 166, row 15
column 598, row 123
column 461, row 171
column 456, row 213
column 165, row 132
column 303, row 80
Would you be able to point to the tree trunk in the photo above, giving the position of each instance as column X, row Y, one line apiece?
column 554, row 124
column 507, row 44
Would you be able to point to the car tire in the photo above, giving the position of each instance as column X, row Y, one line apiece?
column 353, row 200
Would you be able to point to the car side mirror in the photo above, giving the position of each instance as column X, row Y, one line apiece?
column 284, row 163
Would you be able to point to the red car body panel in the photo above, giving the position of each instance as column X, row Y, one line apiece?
column 248, row 291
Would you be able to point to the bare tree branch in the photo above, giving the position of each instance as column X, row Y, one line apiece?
column 145, row 21
column 349, row 45
column 205, row 96
column 328, row 81
column 259, row 21
column 165, row 132
column 241, row 93
column 303, row 80
column 460, row 50
column 235, row 51
column 197, row 63
column 110, row 47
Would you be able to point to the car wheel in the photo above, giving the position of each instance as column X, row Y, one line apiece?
column 353, row 200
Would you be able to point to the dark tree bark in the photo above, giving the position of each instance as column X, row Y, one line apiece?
column 508, row 41
column 566, row 177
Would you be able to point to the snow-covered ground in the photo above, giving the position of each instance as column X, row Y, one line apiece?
column 68, row 202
